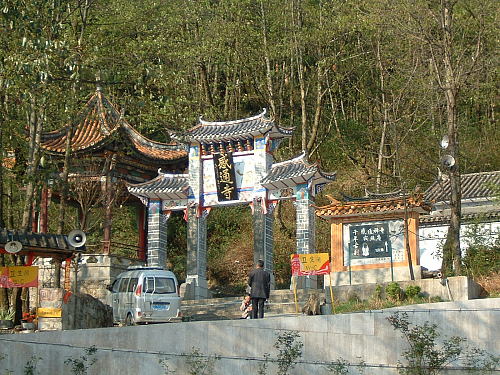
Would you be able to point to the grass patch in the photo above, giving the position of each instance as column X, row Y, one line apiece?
column 357, row 305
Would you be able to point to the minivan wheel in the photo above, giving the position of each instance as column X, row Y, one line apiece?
column 129, row 320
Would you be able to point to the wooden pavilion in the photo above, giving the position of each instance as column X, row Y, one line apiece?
column 106, row 151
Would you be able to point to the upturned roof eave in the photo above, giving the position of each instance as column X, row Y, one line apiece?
column 367, row 214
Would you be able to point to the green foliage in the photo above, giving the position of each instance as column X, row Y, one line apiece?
column 165, row 364
column 200, row 364
column 80, row 366
column 425, row 356
column 339, row 367
column 7, row 314
column 343, row 367
column 263, row 365
column 377, row 295
column 30, row 367
column 412, row 291
column 483, row 251
column 289, row 350
column 394, row 291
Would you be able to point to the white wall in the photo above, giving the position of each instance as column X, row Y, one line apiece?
column 432, row 239
column 243, row 343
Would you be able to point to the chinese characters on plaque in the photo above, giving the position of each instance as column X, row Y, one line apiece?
column 224, row 177
column 374, row 242
column 370, row 241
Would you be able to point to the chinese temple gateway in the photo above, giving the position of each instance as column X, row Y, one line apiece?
column 230, row 163
column 374, row 239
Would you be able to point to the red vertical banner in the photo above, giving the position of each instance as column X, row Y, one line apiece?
column 67, row 274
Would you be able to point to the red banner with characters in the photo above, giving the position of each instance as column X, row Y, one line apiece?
column 310, row 264
column 18, row 277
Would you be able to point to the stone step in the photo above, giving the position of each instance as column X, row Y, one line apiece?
column 280, row 302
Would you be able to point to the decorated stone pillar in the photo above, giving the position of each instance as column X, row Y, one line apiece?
column 306, row 229
column 196, row 275
column 263, row 236
column 196, row 279
column 262, row 219
column 157, row 235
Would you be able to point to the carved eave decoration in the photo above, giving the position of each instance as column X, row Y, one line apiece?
column 373, row 207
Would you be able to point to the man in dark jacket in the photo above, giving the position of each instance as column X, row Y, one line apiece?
column 259, row 281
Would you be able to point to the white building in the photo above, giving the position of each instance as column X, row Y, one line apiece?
column 480, row 215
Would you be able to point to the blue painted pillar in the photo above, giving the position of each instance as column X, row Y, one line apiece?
column 196, row 278
column 306, row 230
column 263, row 218
column 157, row 235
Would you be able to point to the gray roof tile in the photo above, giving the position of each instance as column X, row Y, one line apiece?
column 474, row 185
column 294, row 171
column 172, row 185
column 221, row 131
column 38, row 241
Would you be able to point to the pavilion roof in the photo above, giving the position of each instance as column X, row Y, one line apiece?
column 98, row 124
column 373, row 207
column 164, row 186
column 474, row 185
column 225, row 131
column 42, row 244
column 295, row 172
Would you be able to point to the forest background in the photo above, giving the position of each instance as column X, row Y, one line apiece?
column 371, row 87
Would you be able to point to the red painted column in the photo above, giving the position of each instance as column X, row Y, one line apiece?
column 141, row 225
column 44, row 204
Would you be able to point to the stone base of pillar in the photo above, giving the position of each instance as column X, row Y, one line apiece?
column 195, row 287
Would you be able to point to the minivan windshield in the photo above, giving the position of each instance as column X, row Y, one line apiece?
column 160, row 285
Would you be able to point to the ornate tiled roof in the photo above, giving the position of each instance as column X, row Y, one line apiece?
column 373, row 207
column 224, row 131
column 164, row 186
column 432, row 220
column 294, row 172
column 48, row 244
column 474, row 185
column 95, row 126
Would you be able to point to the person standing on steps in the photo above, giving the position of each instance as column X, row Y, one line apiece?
column 259, row 281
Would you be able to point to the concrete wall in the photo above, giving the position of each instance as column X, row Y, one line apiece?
column 461, row 288
column 78, row 311
column 241, row 344
column 376, row 275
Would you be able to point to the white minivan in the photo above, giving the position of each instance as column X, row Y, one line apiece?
column 145, row 295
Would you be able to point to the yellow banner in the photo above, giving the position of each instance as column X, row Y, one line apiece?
column 18, row 276
column 49, row 312
column 310, row 264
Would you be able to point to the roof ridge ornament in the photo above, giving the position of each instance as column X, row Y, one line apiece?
column 260, row 115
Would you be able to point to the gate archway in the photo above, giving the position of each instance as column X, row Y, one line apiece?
column 230, row 162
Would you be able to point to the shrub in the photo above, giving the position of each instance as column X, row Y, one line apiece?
column 289, row 350
column 425, row 357
column 412, row 291
column 394, row 291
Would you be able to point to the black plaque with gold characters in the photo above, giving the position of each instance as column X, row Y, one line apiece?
column 224, row 177
column 370, row 240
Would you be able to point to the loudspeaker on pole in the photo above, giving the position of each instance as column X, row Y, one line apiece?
column 77, row 238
